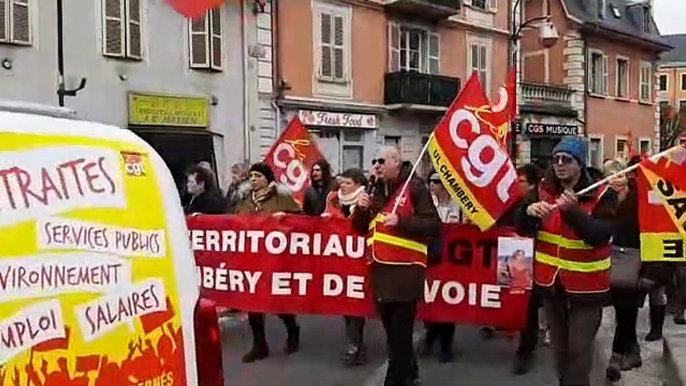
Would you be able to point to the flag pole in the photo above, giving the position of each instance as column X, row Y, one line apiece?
column 625, row 171
column 412, row 172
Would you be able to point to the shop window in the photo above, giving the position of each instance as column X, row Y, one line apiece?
column 391, row 140
column 344, row 149
column 122, row 29
column 205, row 48
column 15, row 22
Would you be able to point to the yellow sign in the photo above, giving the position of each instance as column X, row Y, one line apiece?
column 162, row 110
column 87, row 268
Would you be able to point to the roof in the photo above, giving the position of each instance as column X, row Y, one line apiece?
column 628, row 23
column 678, row 54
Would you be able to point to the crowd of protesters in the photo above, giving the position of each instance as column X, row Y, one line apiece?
column 573, row 305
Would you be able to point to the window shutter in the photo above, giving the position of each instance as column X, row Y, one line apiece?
column 326, row 43
column 604, row 74
column 113, row 41
column 434, row 53
column 199, row 42
column 216, row 38
column 21, row 28
column 134, row 45
column 3, row 20
column 483, row 66
column 339, row 48
column 393, row 47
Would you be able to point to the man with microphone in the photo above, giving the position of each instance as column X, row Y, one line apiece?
column 399, row 222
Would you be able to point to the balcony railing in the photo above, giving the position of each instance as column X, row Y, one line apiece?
column 546, row 93
column 420, row 89
column 431, row 9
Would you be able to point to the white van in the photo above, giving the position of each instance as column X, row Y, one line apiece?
column 95, row 260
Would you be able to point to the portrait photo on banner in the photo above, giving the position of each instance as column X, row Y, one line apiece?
column 515, row 263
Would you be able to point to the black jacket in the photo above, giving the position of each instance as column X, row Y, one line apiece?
column 210, row 202
column 315, row 199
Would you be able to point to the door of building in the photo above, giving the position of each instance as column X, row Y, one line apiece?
column 542, row 150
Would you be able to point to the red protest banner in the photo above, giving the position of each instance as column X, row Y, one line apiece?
column 471, row 160
column 505, row 107
column 313, row 265
column 194, row 8
column 291, row 157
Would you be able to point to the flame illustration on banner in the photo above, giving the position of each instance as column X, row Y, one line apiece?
column 292, row 156
column 504, row 109
column 467, row 151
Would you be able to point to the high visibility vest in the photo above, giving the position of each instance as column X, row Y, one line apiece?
column 582, row 268
column 386, row 246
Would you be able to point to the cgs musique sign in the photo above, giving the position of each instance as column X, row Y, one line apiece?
column 534, row 129
column 292, row 156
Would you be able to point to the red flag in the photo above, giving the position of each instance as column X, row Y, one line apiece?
column 55, row 344
column 156, row 319
column 193, row 8
column 505, row 107
column 291, row 157
column 87, row 363
column 472, row 163
column 671, row 167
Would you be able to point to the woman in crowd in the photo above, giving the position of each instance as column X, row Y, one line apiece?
column 340, row 203
column 205, row 196
column 266, row 197
column 626, row 265
column 449, row 212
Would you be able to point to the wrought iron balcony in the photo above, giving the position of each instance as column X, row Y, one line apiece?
column 430, row 9
column 414, row 88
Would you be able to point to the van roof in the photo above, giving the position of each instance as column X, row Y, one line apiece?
column 36, row 108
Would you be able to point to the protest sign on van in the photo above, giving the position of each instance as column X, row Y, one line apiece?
column 88, row 288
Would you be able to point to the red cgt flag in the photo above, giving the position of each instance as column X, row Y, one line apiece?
column 505, row 107
column 671, row 167
column 193, row 8
column 291, row 157
column 470, row 159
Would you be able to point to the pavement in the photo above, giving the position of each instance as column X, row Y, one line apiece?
column 479, row 362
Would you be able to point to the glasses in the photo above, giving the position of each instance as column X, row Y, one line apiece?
column 379, row 161
column 562, row 159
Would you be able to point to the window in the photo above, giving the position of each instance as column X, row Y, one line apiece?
column 601, row 6
column 645, row 82
column 644, row 145
column 389, row 140
column 343, row 148
column 15, row 22
column 332, row 39
column 683, row 82
column 479, row 62
column 663, row 82
column 205, row 41
column 122, row 29
column 622, row 78
column 413, row 49
column 621, row 147
column 598, row 73
column 482, row 4
column 595, row 151
column 646, row 19
column 682, row 106
column 353, row 149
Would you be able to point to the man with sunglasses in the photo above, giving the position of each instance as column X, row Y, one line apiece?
column 572, row 256
column 397, row 240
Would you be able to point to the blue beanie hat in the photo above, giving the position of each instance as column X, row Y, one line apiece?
column 574, row 146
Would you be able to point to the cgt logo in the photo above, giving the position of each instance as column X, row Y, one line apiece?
column 133, row 164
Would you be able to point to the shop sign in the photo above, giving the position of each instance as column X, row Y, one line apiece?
column 325, row 118
column 165, row 110
column 535, row 129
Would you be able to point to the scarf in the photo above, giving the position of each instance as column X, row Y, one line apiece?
column 349, row 199
column 261, row 195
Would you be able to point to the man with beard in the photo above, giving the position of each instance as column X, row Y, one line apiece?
column 397, row 249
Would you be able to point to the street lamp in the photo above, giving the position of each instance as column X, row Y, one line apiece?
column 547, row 37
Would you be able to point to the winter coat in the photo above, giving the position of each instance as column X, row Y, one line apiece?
column 280, row 200
column 314, row 203
column 400, row 283
column 232, row 195
column 209, row 202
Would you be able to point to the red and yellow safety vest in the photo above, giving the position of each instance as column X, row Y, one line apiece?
column 582, row 268
column 386, row 246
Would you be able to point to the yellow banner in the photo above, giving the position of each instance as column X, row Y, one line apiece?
column 89, row 294
column 457, row 188
column 163, row 110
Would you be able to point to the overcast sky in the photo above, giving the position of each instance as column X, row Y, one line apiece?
column 670, row 15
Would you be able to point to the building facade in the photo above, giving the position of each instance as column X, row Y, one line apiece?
column 598, row 80
column 197, row 90
column 671, row 79
column 365, row 73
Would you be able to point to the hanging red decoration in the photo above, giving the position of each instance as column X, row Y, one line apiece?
column 193, row 8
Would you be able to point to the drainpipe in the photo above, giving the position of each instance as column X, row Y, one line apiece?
column 586, row 58
column 247, row 148
column 276, row 63
column 61, row 88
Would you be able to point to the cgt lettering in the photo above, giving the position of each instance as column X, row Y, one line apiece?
column 295, row 175
column 166, row 379
column 479, row 172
